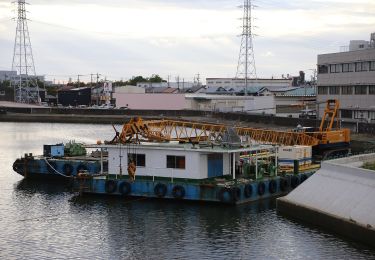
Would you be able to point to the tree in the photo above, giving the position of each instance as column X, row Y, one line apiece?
column 134, row 80
column 155, row 78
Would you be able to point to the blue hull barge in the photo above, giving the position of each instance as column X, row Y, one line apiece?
column 60, row 162
column 193, row 172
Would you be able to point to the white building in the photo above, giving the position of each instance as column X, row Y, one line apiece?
column 350, row 78
column 230, row 103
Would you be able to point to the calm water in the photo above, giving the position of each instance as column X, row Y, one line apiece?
column 42, row 221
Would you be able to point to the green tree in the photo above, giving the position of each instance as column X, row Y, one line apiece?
column 134, row 80
column 155, row 78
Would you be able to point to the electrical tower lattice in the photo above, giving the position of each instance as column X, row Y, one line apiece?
column 246, row 61
column 25, row 84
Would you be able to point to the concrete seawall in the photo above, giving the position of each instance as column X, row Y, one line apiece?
column 65, row 115
column 339, row 197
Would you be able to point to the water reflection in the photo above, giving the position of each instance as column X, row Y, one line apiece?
column 46, row 220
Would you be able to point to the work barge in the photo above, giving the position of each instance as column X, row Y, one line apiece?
column 185, row 160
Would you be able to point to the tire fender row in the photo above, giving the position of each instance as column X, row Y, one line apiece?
column 233, row 194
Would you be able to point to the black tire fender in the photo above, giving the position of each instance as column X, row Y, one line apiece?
column 272, row 186
column 261, row 188
column 68, row 169
column 294, row 182
column 110, row 186
column 125, row 188
column 248, row 190
column 178, row 192
column 284, row 184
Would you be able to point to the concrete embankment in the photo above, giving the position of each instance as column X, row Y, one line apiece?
column 339, row 197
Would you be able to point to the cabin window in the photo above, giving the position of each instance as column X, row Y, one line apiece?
column 139, row 159
column 175, row 162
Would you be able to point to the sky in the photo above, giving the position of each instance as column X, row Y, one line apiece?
column 125, row 38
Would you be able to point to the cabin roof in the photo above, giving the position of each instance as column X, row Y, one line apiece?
column 175, row 146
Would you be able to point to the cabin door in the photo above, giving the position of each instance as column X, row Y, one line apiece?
column 215, row 165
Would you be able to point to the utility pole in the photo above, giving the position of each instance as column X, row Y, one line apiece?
column 91, row 79
column 246, row 61
column 178, row 82
column 97, row 88
column 26, row 89
column 78, row 80
column 198, row 79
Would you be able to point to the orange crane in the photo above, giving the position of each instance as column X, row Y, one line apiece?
column 325, row 138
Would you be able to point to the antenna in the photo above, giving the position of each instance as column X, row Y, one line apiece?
column 246, row 61
column 25, row 83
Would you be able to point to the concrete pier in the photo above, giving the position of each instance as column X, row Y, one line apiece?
column 339, row 197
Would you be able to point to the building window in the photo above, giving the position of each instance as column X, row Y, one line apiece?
column 175, row 162
column 139, row 159
column 322, row 69
column 361, row 90
column 346, row 114
column 372, row 65
column 347, row 90
column 322, row 90
column 335, row 68
column 371, row 90
column 360, row 114
column 347, row 67
column 362, row 66
column 372, row 115
column 335, row 90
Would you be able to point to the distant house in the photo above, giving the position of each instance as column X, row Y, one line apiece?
column 194, row 89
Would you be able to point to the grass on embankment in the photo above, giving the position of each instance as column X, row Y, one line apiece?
column 369, row 166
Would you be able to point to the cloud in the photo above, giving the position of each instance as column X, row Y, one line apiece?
column 122, row 38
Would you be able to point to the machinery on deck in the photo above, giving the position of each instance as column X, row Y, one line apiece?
column 325, row 140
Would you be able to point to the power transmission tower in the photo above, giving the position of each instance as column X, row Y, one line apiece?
column 26, row 89
column 246, row 61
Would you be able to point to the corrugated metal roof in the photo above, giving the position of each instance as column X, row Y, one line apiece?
column 299, row 92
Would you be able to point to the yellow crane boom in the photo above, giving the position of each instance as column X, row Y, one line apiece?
column 188, row 131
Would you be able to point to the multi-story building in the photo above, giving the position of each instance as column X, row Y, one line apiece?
column 349, row 77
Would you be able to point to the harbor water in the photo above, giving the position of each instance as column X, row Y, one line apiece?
column 48, row 221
